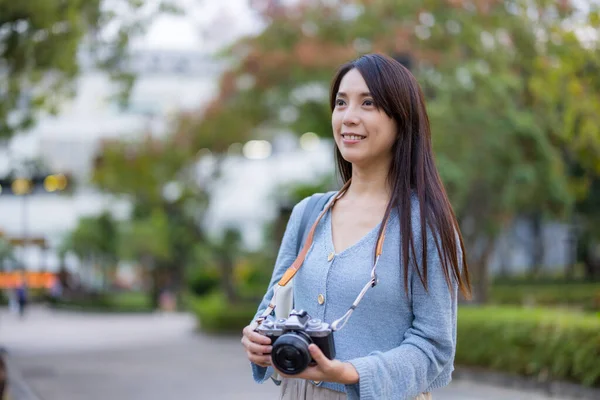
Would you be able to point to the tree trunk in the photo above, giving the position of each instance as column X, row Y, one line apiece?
column 591, row 262
column 153, row 273
column 537, row 256
column 573, row 248
column 227, row 280
column 479, row 268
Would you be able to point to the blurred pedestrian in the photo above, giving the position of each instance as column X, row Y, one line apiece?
column 22, row 298
column 392, row 214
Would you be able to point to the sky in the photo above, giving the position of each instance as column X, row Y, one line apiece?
column 206, row 25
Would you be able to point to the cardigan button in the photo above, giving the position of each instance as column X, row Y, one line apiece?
column 321, row 299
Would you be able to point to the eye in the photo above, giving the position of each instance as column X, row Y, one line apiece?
column 369, row 103
column 339, row 102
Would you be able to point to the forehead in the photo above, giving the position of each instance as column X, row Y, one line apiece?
column 353, row 82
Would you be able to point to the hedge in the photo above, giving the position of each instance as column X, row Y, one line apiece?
column 125, row 302
column 544, row 343
column 215, row 315
column 548, row 344
column 576, row 294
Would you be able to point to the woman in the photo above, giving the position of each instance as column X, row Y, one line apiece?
column 400, row 341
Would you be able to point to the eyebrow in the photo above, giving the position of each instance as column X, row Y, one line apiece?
column 363, row 94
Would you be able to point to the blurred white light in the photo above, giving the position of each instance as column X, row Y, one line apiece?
column 422, row 32
column 245, row 82
column 350, row 12
column 40, row 35
column 172, row 191
column 503, row 37
column 487, row 40
column 464, row 77
column 453, row 27
column 257, row 149
column 427, row 19
column 310, row 29
column 469, row 6
column 362, row 45
column 203, row 153
column 309, row 141
column 309, row 92
column 21, row 26
column 288, row 114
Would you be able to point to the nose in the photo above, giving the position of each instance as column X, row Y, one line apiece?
column 351, row 117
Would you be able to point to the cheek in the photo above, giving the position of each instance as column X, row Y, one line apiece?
column 336, row 121
column 392, row 134
column 387, row 133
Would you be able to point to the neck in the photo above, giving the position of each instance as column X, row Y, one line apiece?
column 370, row 183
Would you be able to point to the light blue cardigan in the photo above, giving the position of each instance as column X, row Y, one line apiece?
column 401, row 346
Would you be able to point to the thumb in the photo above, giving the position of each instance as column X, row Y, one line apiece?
column 317, row 354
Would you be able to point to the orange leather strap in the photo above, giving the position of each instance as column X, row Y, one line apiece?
column 293, row 269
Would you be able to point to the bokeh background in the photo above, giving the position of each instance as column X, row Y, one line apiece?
column 151, row 152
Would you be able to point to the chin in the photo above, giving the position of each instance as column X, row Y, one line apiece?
column 353, row 157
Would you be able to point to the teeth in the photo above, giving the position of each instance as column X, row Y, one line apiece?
column 353, row 137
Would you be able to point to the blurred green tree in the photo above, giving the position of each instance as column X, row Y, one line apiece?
column 41, row 48
column 158, row 177
column 503, row 138
column 95, row 242
column 6, row 253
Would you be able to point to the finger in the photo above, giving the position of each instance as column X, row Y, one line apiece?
column 258, row 338
column 263, row 361
column 245, row 341
column 318, row 355
column 255, row 348
column 252, row 336
column 259, row 348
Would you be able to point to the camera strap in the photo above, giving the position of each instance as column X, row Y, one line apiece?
column 293, row 269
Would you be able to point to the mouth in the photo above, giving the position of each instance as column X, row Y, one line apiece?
column 353, row 137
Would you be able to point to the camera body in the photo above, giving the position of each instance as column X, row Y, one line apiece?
column 290, row 338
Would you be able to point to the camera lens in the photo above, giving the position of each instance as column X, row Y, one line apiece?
column 290, row 353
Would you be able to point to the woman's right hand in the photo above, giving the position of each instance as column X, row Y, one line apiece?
column 258, row 347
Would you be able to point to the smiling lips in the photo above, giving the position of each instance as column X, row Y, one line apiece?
column 352, row 137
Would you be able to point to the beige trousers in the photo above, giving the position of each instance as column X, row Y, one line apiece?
column 300, row 389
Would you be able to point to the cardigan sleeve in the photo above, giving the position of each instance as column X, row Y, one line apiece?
column 285, row 258
column 428, row 345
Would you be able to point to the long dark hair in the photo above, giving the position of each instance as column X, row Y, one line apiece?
column 396, row 91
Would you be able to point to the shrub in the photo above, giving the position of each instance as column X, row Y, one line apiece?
column 204, row 281
column 106, row 302
column 547, row 344
column 215, row 315
column 573, row 294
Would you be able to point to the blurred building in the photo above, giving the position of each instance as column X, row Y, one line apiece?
column 167, row 81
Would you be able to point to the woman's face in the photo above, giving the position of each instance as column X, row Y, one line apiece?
column 363, row 133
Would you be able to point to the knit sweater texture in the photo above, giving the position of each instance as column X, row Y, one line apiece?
column 401, row 345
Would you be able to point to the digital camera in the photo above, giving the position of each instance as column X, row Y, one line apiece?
column 291, row 337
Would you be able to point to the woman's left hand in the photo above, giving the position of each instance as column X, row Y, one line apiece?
column 327, row 370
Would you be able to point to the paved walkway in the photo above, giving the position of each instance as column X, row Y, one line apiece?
column 70, row 356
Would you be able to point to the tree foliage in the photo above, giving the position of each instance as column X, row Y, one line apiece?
column 44, row 42
column 512, row 93
column 158, row 177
